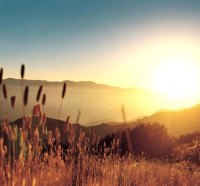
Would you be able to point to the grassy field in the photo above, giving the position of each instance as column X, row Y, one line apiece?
column 37, row 157
column 34, row 155
column 90, row 170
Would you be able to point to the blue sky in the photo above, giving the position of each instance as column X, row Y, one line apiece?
column 88, row 40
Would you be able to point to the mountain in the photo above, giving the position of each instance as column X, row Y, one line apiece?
column 177, row 122
column 97, row 102
column 100, row 104
column 100, row 130
column 88, row 84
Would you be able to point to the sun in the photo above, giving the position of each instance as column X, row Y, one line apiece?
column 177, row 78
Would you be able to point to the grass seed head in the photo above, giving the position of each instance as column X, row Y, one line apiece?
column 26, row 95
column 66, row 126
column 22, row 71
column 44, row 99
column 39, row 93
column 1, row 75
column 4, row 91
column 12, row 99
column 64, row 90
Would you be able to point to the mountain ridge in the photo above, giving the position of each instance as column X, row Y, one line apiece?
column 16, row 81
column 177, row 122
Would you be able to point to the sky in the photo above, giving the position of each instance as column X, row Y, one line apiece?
column 120, row 43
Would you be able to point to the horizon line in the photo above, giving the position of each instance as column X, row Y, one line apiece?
column 84, row 81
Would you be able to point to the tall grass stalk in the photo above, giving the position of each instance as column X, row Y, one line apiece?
column 12, row 101
column 62, row 97
column 22, row 72
column 39, row 93
column 1, row 80
column 125, row 129
column 43, row 102
column 5, row 95
column 25, row 99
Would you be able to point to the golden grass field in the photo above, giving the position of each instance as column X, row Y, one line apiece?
column 33, row 155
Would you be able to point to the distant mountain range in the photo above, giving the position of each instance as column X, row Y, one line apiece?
column 88, row 84
column 100, row 105
column 97, row 102
column 100, row 130
column 177, row 122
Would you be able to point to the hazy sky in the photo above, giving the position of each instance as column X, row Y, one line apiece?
column 120, row 43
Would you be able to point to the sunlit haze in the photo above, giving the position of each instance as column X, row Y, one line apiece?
column 123, row 44
column 99, row 92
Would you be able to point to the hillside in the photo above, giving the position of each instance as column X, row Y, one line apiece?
column 100, row 130
column 178, row 122
column 97, row 102
column 100, row 104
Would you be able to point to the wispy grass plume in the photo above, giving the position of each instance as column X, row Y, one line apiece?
column 5, row 95
column 1, row 80
column 62, row 96
column 1, row 75
column 22, row 72
column 12, row 100
column 25, row 97
column 39, row 93
column 43, row 101
column 4, row 91
column 64, row 90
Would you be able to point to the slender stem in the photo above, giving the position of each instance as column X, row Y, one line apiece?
column 1, row 105
column 22, row 87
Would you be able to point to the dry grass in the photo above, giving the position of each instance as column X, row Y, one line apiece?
column 23, row 161
column 90, row 170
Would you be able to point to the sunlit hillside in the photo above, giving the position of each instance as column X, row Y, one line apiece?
column 96, row 102
column 178, row 122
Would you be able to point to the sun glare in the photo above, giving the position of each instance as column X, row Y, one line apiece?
column 177, row 78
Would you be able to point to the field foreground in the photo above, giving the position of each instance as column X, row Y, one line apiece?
column 90, row 170
column 35, row 153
